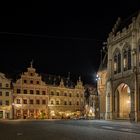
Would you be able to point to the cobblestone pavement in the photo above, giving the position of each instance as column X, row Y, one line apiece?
column 68, row 130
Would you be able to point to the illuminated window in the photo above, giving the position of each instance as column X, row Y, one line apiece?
column 117, row 62
column 127, row 59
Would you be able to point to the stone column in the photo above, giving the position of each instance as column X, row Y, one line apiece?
column 132, row 111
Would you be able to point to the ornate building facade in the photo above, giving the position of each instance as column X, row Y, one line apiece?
column 65, row 101
column 5, row 97
column 122, row 88
column 30, row 96
column 45, row 96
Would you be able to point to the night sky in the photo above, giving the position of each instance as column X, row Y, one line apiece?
column 59, row 37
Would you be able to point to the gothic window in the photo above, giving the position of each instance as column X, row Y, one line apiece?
column 117, row 62
column 127, row 59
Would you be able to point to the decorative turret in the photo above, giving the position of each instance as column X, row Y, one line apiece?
column 61, row 83
column 79, row 83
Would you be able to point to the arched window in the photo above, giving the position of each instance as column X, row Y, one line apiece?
column 126, row 58
column 117, row 61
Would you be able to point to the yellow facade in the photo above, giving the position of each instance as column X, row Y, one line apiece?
column 5, row 98
column 66, row 102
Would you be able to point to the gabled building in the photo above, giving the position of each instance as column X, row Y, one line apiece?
column 6, row 99
column 30, row 96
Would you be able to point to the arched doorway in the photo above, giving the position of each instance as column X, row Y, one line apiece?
column 122, row 102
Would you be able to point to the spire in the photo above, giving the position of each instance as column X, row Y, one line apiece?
column 68, row 75
column 79, row 78
column 62, row 83
column 31, row 63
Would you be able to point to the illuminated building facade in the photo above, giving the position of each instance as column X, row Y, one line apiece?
column 45, row 96
column 30, row 96
column 122, row 88
column 65, row 101
column 5, row 97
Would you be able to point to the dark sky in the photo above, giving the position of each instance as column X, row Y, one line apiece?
column 59, row 37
